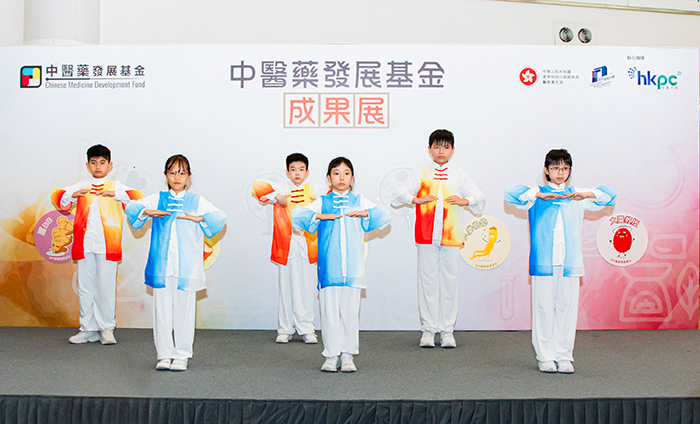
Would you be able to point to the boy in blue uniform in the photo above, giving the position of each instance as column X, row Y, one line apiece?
column 555, row 214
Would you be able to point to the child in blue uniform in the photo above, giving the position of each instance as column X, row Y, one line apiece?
column 175, row 267
column 341, row 219
column 555, row 214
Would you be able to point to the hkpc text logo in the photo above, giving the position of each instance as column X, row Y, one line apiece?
column 661, row 82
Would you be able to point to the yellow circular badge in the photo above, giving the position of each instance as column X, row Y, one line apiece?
column 486, row 243
column 211, row 251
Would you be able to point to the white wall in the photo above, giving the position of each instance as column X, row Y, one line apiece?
column 385, row 21
column 61, row 22
column 364, row 21
column 11, row 22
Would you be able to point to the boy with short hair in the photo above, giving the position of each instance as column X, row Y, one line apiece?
column 97, row 237
column 439, row 191
column 294, row 251
column 555, row 214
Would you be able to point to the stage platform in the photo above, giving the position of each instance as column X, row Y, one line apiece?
column 243, row 376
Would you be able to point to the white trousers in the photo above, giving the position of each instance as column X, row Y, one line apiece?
column 340, row 320
column 437, row 287
column 174, row 315
column 97, row 285
column 297, row 290
column 554, row 316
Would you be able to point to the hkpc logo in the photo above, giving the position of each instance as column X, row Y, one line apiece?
column 658, row 81
column 30, row 77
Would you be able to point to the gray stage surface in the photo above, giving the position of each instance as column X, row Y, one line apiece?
column 249, row 365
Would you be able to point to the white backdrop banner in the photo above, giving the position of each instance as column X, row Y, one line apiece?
column 628, row 115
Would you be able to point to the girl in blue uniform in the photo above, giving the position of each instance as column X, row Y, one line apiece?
column 341, row 219
column 175, row 267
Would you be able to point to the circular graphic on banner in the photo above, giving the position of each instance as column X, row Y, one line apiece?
column 53, row 236
column 622, row 240
column 256, row 211
column 211, row 251
column 486, row 243
column 389, row 180
column 528, row 76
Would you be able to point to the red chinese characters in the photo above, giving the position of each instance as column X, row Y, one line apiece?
column 346, row 110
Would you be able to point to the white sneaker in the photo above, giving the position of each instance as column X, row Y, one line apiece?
column 84, row 337
column 310, row 338
column 447, row 340
column 565, row 367
column 346, row 363
column 178, row 365
column 107, row 337
column 427, row 339
column 547, row 366
column 283, row 338
column 331, row 364
column 163, row 364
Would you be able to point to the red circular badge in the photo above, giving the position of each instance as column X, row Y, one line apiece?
column 528, row 76
column 622, row 239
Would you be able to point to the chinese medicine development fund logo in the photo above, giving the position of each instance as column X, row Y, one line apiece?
column 622, row 240
column 528, row 76
column 486, row 243
column 30, row 77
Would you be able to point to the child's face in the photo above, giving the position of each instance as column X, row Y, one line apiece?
column 99, row 167
column 558, row 173
column 177, row 178
column 340, row 178
column 441, row 152
column 297, row 172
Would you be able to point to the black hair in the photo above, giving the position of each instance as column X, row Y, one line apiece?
column 556, row 157
column 339, row 161
column 99, row 151
column 440, row 137
column 297, row 157
column 177, row 160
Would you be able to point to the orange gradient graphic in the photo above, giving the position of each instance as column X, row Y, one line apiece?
column 425, row 214
column 111, row 213
column 33, row 291
column 282, row 219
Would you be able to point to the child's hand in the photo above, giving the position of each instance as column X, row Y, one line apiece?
column 327, row 216
column 424, row 199
column 358, row 214
column 282, row 199
column 192, row 218
column 579, row 196
column 456, row 200
column 549, row 196
column 154, row 213
column 105, row 193
column 80, row 193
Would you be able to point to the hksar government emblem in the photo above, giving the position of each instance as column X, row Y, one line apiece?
column 622, row 239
